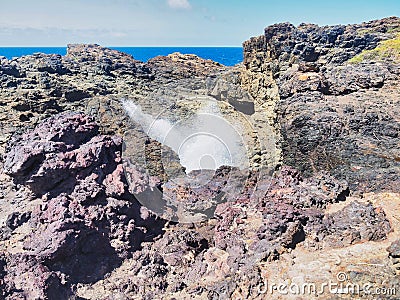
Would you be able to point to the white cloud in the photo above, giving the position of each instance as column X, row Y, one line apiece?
column 183, row 4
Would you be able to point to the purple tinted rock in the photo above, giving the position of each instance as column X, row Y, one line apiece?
column 80, row 231
column 60, row 152
column 26, row 278
column 57, row 134
column 356, row 222
column 394, row 249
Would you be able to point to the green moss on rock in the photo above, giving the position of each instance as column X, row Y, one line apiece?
column 386, row 50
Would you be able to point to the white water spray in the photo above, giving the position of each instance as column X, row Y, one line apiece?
column 203, row 141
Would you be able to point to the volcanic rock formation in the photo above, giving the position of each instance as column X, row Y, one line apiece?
column 319, row 111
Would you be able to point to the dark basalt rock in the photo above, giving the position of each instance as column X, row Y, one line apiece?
column 72, row 225
column 333, row 114
column 47, row 156
column 199, row 192
column 176, row 66
column 75, row 95
column 309, row 42
column 79, row 171
column 289, row 203
column 107, row 62
column 26, row 278
column 16, row 219
column 394, row 249
column 11, row 70
column 51, row 64
column 91, row 224
column 354, row 223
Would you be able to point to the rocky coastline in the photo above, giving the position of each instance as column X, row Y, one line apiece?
column 319, row 112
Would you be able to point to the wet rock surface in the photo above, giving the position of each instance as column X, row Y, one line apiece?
column 320, row 195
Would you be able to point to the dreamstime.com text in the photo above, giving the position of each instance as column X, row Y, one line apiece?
column 339, row 286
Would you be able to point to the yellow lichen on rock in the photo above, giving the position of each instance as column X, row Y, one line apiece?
column 386, row 50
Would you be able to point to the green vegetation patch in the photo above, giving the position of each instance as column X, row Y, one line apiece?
column 386, row 50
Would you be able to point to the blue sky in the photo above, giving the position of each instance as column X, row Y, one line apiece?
column 170, row 22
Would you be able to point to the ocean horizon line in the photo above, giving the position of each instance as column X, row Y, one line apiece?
column 225, row 55
column 118, row 46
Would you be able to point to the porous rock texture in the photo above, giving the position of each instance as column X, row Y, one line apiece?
column 320, row 197
column 332, row 114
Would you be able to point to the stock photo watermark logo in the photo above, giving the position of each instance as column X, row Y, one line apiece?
column 342, row 285
column 205, row 154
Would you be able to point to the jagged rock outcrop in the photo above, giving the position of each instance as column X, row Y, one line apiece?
column 87, row 224
column 331, row 113
column 177, row 65
column 80, row 231
column 76, row 169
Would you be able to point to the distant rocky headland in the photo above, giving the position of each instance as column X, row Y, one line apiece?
column 88, row 179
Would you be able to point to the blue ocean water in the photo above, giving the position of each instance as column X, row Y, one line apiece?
column 228, row 56
column 11, row 52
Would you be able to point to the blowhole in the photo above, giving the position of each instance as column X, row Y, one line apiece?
column 207, row 162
